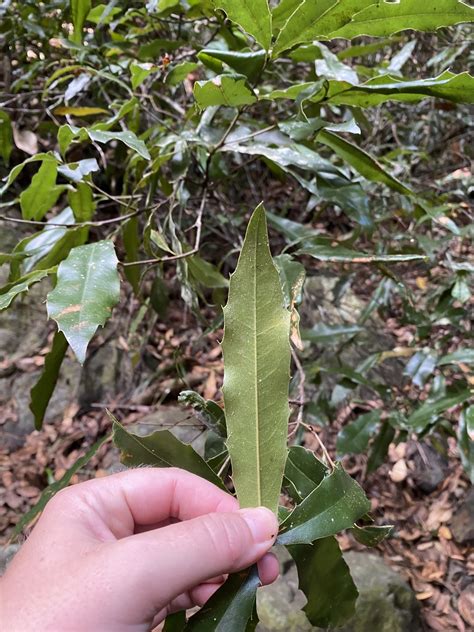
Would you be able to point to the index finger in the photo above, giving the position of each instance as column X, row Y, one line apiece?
column 146, row 496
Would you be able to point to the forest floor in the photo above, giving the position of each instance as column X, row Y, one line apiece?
column 418, row 491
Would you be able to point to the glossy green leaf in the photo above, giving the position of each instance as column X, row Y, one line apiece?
column 361, row 161
column 55, row 487
column 6, row 137
column 355, row 436
column 465, row 356
column 380, row 447
column 210, row 413
column 179, row 72
column 10, row 291
column 248, row 63
column 256, row 377
column 386, row 18
column 371, row 535
column 466, row 441
column 302, row 24
column 43, row 389
column 448, row 86
column 334, row 505
column 230, row 90
column 253, row 16
column 282, row 12
column 429, row 411
column 39, row 245
column 160, row 449
column 79, row 9
column 76, row 171
column 303, row 472
column 325, row 579
column 42, row 194
column 231, row 608
column 67, row 134
column 323, row 250
column 88, row 288
column 330, row 67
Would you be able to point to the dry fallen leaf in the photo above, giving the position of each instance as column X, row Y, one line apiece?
column 445, row 533
column 26, row 140
column 399, row 471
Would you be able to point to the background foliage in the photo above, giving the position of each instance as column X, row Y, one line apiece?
column 135, row 140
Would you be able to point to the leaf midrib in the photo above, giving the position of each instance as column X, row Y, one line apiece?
column 257, row 420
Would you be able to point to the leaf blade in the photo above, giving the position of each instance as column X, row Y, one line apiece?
column 253, row 16
column 256, row 359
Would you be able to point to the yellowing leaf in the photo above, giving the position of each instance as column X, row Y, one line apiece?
column 78, row 111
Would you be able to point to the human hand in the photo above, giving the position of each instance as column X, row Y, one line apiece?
column 120, row 553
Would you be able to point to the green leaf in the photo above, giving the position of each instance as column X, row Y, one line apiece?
column 17, row 169
column 82, row 202
column 451, row 87
column 329, row 334
column 131, row 242
column 179, row 72
column 334, row 505
column 39, row 245
column 10, row 291
column 302, row 24
column 371, row 535
column 361, row 161
column 429, row 411
column 88, row 288
column 282, row 12
column 210, row 413
column 292, row 277
column 248, row 63
column 386, row 18
column 79, row 111
column 303, row 472
column 324, row 251
column 80, row 10
column 325, row 579
column 380, row 447
column 230, row 90
column 206, row 273
column 231, row 608
column 42, row 194
column 68, row 133
column 54, row 488
column 41, row 392
column 253, row 16
column 355, row 436
column 466, row 441
column 175, row 622
column 6, row 137
column 76, row 171
column 256, row 377
column 160, row 449
column 465, row 356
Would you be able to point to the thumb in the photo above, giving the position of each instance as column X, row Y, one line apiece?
column 171, row 560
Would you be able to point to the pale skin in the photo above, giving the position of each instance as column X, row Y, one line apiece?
column 119, row 553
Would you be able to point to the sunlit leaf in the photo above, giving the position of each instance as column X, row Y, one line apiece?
column 42, row 194
column 79, row 9
column 87, row 289
column 78, row 111
column 253, row 16
column 230, row 90
column 256, row 359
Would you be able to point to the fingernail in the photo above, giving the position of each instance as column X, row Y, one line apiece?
column 262, row 523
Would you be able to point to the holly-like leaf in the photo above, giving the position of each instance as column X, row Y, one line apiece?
column 10, row 291
column 256, row 377
column 303, row 472
column 386, row 18
column 355, row 436
column 230, row 90
column 325, row 579
column 253, row 16
column 371, row 535
column 43, row 389
column 334, row 505
column 160, row 449
column 88, row 288
column 231, row 608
